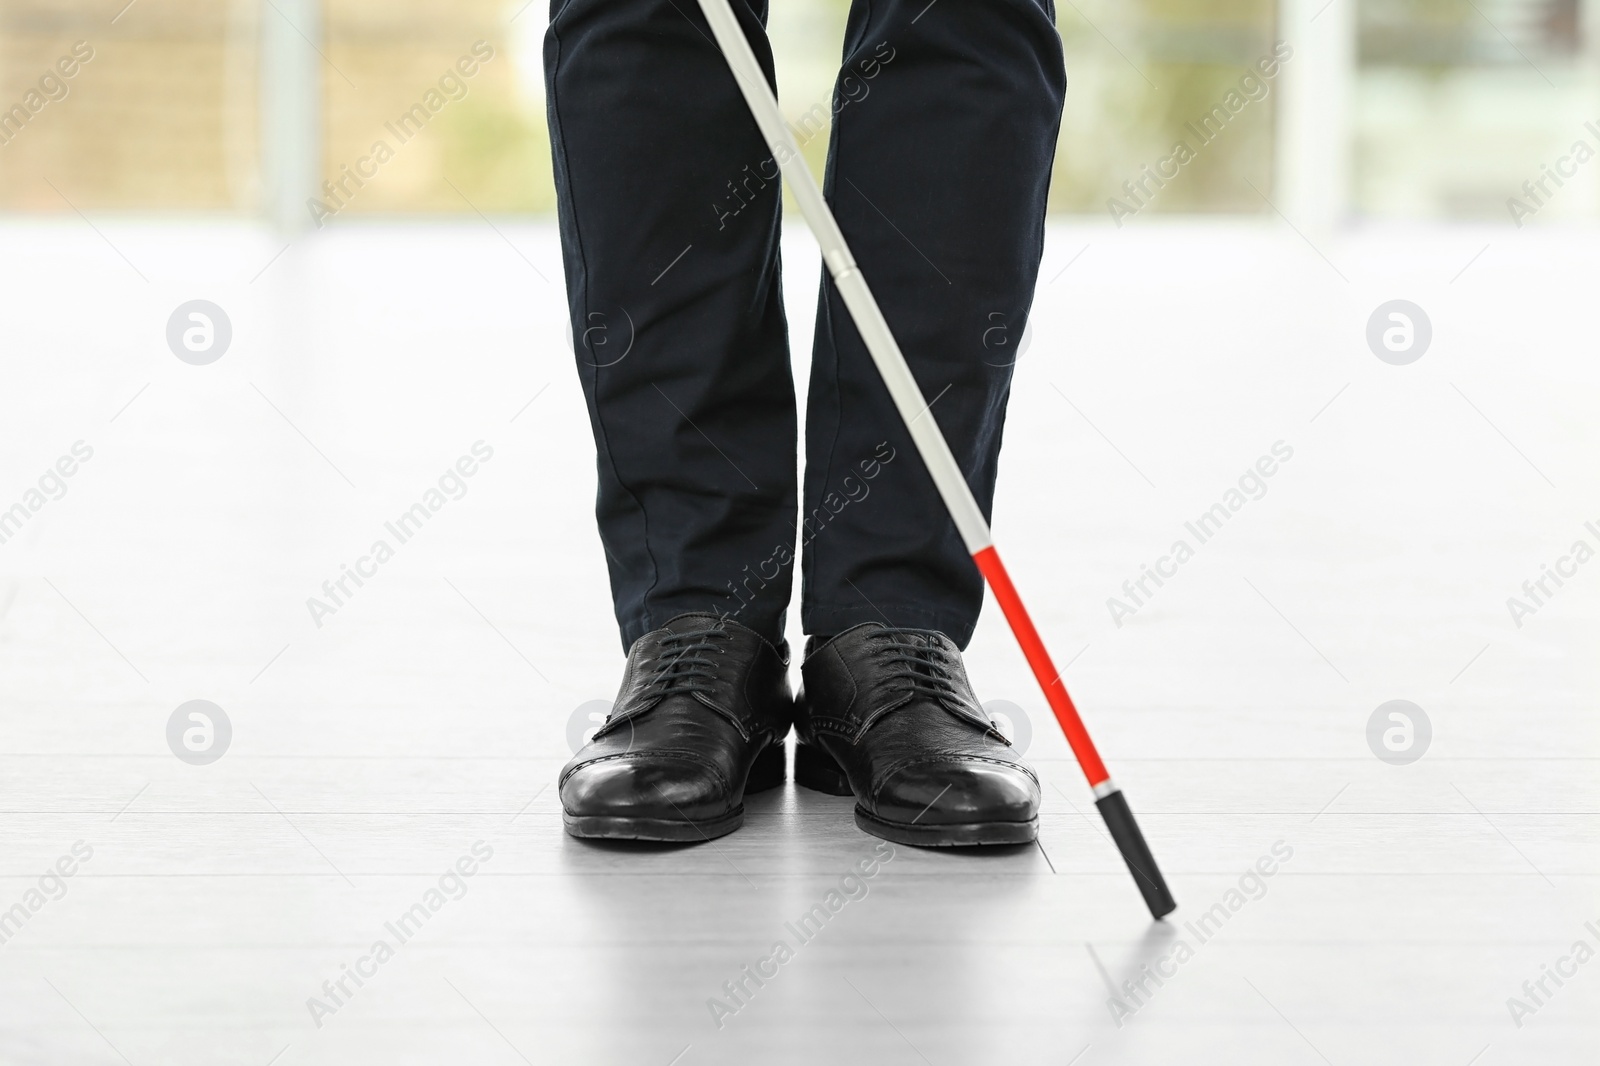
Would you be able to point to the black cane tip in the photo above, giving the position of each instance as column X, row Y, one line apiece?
column 1130, row 841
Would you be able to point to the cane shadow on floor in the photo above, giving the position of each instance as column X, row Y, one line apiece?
column 1129, row 973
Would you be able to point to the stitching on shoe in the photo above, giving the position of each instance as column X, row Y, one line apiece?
column 882, row 778
column 854, row 730
column 652, row 753
column 836, row 726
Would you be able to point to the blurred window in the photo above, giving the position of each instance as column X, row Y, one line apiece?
column 157, row 105
column 150, row 107
column 396, row 76
column 1457, row 103
column 1143, row 76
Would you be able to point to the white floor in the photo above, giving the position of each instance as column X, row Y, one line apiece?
column 430, row 711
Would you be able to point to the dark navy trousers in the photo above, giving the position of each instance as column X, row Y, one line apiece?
column 944, row 120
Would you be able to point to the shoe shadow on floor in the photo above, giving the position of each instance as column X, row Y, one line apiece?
column 634, row 847
column 794, row 820
column 666, row 927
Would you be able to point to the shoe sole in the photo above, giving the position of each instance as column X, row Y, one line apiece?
column 954, row 835
column 765, row 773
column 818, row 772
column 662, row 830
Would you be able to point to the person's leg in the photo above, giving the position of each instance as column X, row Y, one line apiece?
column 669, row 214
column 938, row 174
column 669, row 211
column 937, row 171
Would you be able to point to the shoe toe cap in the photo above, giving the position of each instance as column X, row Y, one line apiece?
column 645, row 786
column 956, row 792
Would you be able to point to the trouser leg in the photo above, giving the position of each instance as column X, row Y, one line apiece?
column 669, row 210
column 938, row 171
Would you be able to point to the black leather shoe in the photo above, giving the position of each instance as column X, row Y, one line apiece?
column 698, row 724
column 889, row 716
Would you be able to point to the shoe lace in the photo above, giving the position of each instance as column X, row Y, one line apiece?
column 918, row 665
column 684, row 664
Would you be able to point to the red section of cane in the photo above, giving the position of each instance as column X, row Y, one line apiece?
column 1110, row 801
column 1055, row 690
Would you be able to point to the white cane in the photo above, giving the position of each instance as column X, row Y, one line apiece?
column 931, row 445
